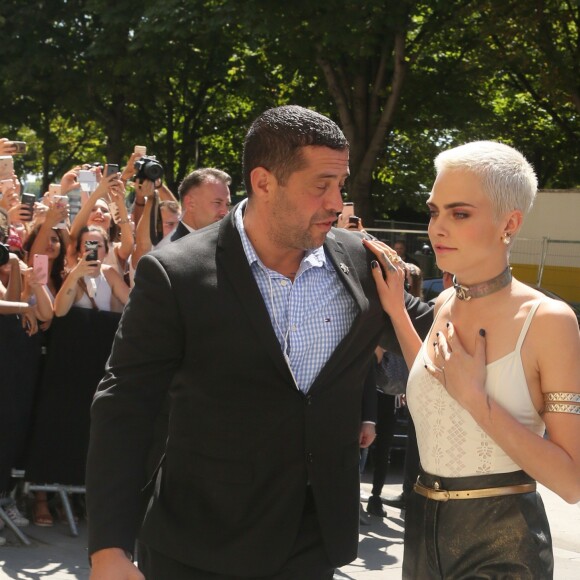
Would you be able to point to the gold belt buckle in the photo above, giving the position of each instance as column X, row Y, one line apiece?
column 432, row 492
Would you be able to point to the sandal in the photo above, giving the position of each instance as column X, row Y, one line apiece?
column 41, row 516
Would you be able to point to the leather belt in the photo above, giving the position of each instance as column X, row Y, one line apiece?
column 445, row 495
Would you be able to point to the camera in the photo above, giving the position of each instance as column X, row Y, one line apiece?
column 4, row 254
column 148, row 168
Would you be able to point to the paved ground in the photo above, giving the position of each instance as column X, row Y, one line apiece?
column 55, row 555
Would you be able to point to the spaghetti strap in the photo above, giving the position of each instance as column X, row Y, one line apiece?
column 527, row 323
column 438, row 311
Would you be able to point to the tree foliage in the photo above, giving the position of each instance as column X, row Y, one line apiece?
column 85, row 80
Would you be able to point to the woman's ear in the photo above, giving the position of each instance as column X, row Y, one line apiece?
column 513, row 223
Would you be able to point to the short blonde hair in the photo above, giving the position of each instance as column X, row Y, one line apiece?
column 506, row 176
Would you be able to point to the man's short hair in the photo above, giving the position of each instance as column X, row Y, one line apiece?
column 169, row 205
column 276, row 137
column 200, row 176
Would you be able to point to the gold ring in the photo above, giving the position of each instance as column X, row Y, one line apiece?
column 396, row 259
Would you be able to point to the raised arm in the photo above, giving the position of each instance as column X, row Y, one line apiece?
column 390, row 287
column 102, row 191
column 117, row 193
column 70, row 291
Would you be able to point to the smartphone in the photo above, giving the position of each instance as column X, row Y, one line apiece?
column 347, row 209
column 40, row 267
column 353, row 220
column 88, row 180
column 112, row 169
column 29, row 199
column 92, row 247
column 6, row 167
column 140, row 150
column 20, row 147
column 53, row 190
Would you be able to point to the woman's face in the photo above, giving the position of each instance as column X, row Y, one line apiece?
column 53, row 247
column 100, row 215
column 94, row 237
column 463, row 231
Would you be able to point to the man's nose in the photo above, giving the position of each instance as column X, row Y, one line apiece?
column 334, row 200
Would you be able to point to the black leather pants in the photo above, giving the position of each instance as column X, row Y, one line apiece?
column 490, row 538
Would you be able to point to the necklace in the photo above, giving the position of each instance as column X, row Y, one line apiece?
column 483, row 288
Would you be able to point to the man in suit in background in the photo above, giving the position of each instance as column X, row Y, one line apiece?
column 261, row 329
column 205, row 199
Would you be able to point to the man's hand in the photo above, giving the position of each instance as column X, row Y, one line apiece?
column 367, row 435
column 113, row 564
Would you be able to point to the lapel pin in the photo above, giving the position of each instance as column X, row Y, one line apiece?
column 344, row 268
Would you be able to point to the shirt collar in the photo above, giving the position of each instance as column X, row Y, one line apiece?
column 312, row 258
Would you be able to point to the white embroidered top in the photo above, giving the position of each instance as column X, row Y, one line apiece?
column 451, row 444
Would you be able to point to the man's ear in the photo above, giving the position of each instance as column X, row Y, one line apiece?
column 263, row 182
column 188, row 202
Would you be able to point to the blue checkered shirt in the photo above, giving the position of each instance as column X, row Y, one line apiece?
column 310, row 316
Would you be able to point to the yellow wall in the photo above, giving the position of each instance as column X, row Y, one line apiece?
column 561, row 280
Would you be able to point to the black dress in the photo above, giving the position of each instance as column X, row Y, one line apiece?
column 78, row 349
column 19, row 360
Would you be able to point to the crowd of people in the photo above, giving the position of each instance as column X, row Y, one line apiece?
column 66, row 272
column 207, row 460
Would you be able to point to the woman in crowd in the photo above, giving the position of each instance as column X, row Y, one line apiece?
column 499, row 367
column 50, row 241
column 81, row 337
column 22, row 306
column 54, row 247
column 96, row 211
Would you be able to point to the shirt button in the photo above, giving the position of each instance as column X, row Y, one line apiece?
column 283, row 283
column 293, row 328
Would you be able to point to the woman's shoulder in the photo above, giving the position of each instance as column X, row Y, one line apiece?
column 552, row 315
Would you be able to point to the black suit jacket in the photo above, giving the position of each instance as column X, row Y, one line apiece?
column 243, row 442
column 180, row 231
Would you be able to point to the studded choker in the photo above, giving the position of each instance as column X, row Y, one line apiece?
column 484, row 288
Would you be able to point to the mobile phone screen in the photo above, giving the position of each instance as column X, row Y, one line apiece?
column 347, row 209
column 93, row 249
column 112, row 169
column 40, row 267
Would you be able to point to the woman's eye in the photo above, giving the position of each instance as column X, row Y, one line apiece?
column 460, row 215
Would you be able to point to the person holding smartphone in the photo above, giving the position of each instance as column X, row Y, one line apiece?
column 81, row 337
column 96, row 211
column 91, row 283
column 22, row 306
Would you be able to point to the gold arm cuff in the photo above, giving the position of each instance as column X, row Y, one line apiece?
column 562, row 403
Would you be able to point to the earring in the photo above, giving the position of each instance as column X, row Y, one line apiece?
column 506, row 239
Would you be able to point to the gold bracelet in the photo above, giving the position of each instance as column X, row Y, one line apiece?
column 125, row 221
column 562, row 402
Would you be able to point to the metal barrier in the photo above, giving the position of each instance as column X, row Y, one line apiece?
column 6, row 519
column 63, row 492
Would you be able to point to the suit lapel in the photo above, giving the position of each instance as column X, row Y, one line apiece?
column 347, row 272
